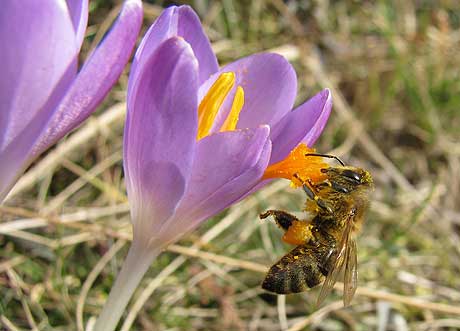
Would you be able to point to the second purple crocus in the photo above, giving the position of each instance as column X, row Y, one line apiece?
column 199, row 138
column 42, row 94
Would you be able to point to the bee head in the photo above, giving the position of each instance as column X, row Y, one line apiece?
column 346, row 179
column 357, row 176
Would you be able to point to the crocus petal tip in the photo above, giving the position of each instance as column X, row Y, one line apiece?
column 133, row 4
column 327, row 92
column 187, row 48
column 326, row 95
column 133, row 9
column 328, row 103
column 185, row 8
column 266, row 128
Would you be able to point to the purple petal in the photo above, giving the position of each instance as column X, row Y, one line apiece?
column 321, row 120
column 96, row 78
column 183, row 22
column 160, row 133
column 38, row 61
column 189, row 27
column 78, row 10
column 12, row 165
column 270, row 87
column 303, row 124
column 226, row 166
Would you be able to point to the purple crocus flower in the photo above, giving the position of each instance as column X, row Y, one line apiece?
column 199, row 138
column 183, row 161
column 42, row 94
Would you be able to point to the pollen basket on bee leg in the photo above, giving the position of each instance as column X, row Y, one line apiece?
column 298, row 233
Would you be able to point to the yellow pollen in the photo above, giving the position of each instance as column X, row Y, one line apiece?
column 298, row 233
column 237, row 105
column 212, row 101
column 297, row 164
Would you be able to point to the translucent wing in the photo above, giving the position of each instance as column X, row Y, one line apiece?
column 339, row 262
column 350, row 281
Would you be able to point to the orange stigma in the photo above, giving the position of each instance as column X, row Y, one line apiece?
column 298, row 165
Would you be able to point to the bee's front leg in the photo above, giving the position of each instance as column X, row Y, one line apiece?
column 309, row 189
column 282, row 218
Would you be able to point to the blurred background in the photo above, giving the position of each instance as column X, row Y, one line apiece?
column 393, row 68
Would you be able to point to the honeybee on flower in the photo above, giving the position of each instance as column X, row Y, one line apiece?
column 337, row 199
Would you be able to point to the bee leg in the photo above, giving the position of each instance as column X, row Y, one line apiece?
column 308, row 187
column 283, row 219
column 339, row 187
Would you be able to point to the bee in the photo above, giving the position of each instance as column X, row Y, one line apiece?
column 325, row 242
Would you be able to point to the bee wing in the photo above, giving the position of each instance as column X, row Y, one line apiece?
column 331, row 278
column 338, row 263
column 350, row 282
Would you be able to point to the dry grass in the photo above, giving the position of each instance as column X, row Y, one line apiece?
column 393, row 69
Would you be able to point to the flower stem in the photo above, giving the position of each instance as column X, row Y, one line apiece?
column 136, row 264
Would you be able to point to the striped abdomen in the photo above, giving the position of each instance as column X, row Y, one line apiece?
column 297, row 271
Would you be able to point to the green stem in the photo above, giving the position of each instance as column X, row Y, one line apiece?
column 136, row 264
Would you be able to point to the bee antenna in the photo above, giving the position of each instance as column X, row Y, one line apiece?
column 326, row 155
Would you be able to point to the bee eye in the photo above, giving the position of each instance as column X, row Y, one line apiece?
column 353, row 175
